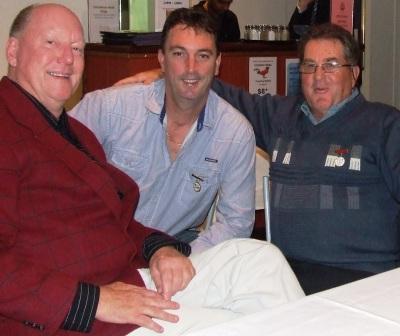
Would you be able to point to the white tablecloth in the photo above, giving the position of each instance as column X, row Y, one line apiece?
column 367, row 307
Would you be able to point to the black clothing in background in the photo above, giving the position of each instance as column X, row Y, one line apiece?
column 304, row 18
column 227, row 24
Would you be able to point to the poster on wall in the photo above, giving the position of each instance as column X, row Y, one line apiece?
column 103, row 16
column 162, row 9
column 292, row 77
column 262, row 75
column 342, row 13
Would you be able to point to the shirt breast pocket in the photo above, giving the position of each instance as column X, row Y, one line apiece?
column 132, row 163
column 199, row 186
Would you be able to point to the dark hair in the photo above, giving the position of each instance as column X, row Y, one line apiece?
column 329, row 31
column 21, row 20
column 192, row 18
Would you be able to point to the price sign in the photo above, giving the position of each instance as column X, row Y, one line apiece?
column 262, row 75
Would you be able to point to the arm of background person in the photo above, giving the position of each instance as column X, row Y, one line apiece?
column 231, row 29
column 301, row 16
column 146, row 77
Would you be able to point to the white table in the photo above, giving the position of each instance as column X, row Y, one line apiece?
column 367, row 307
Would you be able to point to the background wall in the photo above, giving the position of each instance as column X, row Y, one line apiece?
column 381, row 77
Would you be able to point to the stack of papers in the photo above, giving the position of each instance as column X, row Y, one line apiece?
column 131, row 37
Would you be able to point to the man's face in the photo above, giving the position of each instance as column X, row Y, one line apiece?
column 219, row 6
column 46, row 59
column 323, row 90
column 190, row 61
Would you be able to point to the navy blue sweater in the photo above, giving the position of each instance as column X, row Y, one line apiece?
column 335, row 186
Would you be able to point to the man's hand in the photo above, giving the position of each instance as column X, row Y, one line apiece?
column 124, row 303
column 302, row 5
column 171, row 271
column 145, row 77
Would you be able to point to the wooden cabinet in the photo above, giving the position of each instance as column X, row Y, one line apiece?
column 106, row 64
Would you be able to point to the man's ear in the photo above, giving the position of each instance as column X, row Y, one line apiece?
column 217, row 64
column 12, row 51
column 161, row 57
column 356, row 72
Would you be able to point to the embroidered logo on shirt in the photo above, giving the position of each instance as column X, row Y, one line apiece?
column 210, row 160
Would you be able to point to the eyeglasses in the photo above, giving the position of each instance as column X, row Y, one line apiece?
column 327, row 67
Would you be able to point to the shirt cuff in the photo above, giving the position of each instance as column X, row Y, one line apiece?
column 83, row 309
column 158, row 239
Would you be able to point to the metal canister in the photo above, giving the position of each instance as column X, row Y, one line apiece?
column 285, row 36
column 271, row 33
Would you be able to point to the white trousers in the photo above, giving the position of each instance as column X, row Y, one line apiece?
column 234, row 278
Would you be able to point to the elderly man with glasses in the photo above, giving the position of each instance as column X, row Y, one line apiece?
column 335, row 165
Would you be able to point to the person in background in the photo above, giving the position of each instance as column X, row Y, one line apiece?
column 226, row 20
column 180, row 142
column 72, row 257
column 335, row 165
column 308, row 13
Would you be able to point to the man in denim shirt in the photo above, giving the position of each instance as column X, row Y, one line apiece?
column 179, row 141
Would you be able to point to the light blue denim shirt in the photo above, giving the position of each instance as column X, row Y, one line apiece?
column 176, row 195
column 331, row 112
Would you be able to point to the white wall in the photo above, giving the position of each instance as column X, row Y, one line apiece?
column 10, row 8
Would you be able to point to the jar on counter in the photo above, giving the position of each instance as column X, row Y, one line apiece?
column 285, row 36
column 271, row 33
column 264, row 32
column 254, row 32
column 278, row 32
column 246, row 32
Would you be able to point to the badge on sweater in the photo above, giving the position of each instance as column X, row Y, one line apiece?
column 355, row 158
column 331, row 158
column 276, row 149
column 288, row 155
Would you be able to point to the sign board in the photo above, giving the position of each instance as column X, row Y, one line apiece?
column 292, row 77
column 103, row 16
column 262, row 75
